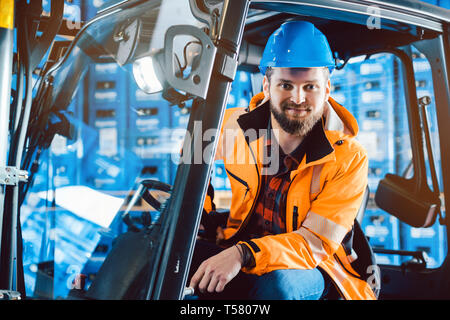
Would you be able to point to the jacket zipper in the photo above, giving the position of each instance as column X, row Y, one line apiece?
column 295, row 218
column 247, row 218
column 239, row 180
column 295, row 211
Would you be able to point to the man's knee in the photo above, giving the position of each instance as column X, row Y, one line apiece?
column 289, row 285
column 273, row 286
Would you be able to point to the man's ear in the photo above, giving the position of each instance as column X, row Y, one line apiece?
column 327, row 89
column 266, row 85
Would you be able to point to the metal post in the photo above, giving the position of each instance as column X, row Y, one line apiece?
column 192, row 179
column 437, row 52
column 6, row 58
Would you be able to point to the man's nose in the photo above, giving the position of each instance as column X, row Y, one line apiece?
column 298, row 96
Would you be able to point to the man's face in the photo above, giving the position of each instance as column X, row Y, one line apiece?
column 297, row 97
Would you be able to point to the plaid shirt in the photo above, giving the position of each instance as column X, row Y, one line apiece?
column 269, row 216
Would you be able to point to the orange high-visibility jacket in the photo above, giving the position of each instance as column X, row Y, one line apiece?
column 322, row 202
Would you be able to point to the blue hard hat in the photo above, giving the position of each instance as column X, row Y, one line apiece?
column 297, row 44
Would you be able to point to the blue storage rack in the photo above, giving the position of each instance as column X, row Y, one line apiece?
column 342, row 88
column 149, row 133
column 432, row 240
column 149, row 112
column 375, row 102
column 382, row 230
column 109, row 165
column 107, row 84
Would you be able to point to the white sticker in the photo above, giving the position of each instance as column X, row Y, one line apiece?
column 422, row 233
column 103, row 124
column 371, row 125
column 146, row 124
column 105, row 67
column 372, row 96
column 108, row 142
column 421, row 66
column 59, row 145
column 106, row 96
column 370, row 68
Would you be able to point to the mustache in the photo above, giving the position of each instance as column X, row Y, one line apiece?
column 292, row 105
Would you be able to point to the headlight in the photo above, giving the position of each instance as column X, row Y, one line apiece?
column 148, row 74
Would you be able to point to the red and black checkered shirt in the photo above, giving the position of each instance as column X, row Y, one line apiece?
column 269, row 216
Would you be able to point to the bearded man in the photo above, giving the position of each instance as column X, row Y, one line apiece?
column 291, row 209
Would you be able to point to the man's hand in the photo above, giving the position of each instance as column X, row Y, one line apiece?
column 215, row 272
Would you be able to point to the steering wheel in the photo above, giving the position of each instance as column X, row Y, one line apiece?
column 145, row 186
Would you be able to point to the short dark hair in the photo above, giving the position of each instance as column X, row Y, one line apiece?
column 269, row 71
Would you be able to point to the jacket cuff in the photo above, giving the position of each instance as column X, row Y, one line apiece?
column 247, row 257
column 255, row 264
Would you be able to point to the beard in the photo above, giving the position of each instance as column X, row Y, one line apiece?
column 297, row 127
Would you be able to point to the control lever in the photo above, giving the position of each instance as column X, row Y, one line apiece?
column 418, row 261
column 188, row 291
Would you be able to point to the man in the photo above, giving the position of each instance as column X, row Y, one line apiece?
column 294, row 205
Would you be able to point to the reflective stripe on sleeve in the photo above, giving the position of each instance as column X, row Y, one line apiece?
column 315, row 244
column 324, row 227
column 352, row 256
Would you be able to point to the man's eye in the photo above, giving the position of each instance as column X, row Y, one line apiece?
column 310, row 86
column 286, row 86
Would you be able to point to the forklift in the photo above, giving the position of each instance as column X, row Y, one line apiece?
column 191, row 66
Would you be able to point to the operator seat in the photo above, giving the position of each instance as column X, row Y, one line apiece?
column 363, row 206
column 365, row 265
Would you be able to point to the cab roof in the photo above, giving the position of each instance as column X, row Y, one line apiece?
column 351, row 26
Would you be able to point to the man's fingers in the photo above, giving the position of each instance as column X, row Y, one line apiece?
column 197, row 277
column 212, row 284
column 205, row 280
column 221, row 284
column 215, row 272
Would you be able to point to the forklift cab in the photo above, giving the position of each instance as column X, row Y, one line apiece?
column 103, row 205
